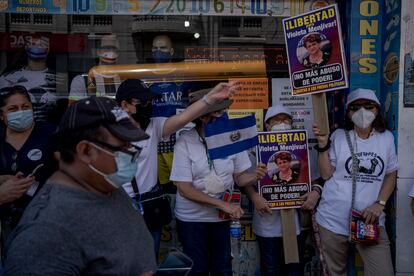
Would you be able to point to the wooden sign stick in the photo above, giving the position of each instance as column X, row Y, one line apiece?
column 320, row 112
column 290, row 243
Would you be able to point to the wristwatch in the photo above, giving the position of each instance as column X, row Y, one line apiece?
column 381, row 202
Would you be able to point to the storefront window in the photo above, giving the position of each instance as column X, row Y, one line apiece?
column 183, row 46
column 52, row 54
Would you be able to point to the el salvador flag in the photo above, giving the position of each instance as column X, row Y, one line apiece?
column 225, row 136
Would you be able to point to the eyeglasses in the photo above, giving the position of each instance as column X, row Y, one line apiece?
column 279, row 120
column 356, row 107
column 286, row 121
column 134, row 151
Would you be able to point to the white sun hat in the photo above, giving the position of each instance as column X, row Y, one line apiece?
column 276, row 110
column 362, row 93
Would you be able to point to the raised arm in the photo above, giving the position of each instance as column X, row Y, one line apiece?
column 219, row 93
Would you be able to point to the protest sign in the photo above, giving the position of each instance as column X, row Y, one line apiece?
column 315, row 51
column 253, row 94
column 302, row 114
column 286, row 156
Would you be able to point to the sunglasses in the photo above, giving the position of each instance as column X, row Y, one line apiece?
column 134, row 151
column 7, row 90
column 14, row 164
column 356, row 107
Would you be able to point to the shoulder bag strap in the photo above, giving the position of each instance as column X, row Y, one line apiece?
column 354, row 174
column 134, row 185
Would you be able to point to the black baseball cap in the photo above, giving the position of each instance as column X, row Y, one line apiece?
column 95, row 111
column 134, row 89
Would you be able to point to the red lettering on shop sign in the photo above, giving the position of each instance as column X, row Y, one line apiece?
column 58, row 43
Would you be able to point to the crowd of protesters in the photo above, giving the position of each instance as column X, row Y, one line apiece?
column 83, row 196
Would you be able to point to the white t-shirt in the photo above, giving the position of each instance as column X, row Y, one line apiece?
column 376, row 157
column 146, row 176
column 270, row 225
column 411, row 193
column 105, row 85
column 190, row 164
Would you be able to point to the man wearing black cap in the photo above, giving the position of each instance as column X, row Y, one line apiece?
column 135, row 98
column 81, row 222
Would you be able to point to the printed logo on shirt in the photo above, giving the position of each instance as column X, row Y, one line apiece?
column 370, row 166
column 34, row 154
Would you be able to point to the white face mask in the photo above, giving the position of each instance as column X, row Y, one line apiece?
column 281, row 126
column 363, row 118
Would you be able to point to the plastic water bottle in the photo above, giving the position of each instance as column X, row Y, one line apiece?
column 235, row 236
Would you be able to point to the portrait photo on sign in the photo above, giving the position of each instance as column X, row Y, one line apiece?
column 283, row 168
column 314, row 50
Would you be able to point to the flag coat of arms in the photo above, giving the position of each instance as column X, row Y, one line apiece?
column 225, row 136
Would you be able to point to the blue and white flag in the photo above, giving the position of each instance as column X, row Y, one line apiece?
column 225, row 136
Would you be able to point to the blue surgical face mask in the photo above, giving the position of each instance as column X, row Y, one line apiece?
column 126, row 168
column 20, row 120
column 161, row 57
column 35, row 52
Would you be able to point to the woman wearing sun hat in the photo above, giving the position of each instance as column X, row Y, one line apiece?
column 374, row 167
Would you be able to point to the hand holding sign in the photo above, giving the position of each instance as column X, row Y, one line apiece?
column 260, row 171
column 261, row 205
column 321, row 137
column 311, row 199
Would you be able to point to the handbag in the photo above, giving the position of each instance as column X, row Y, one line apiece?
column 359, row 231
column 155, row 206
